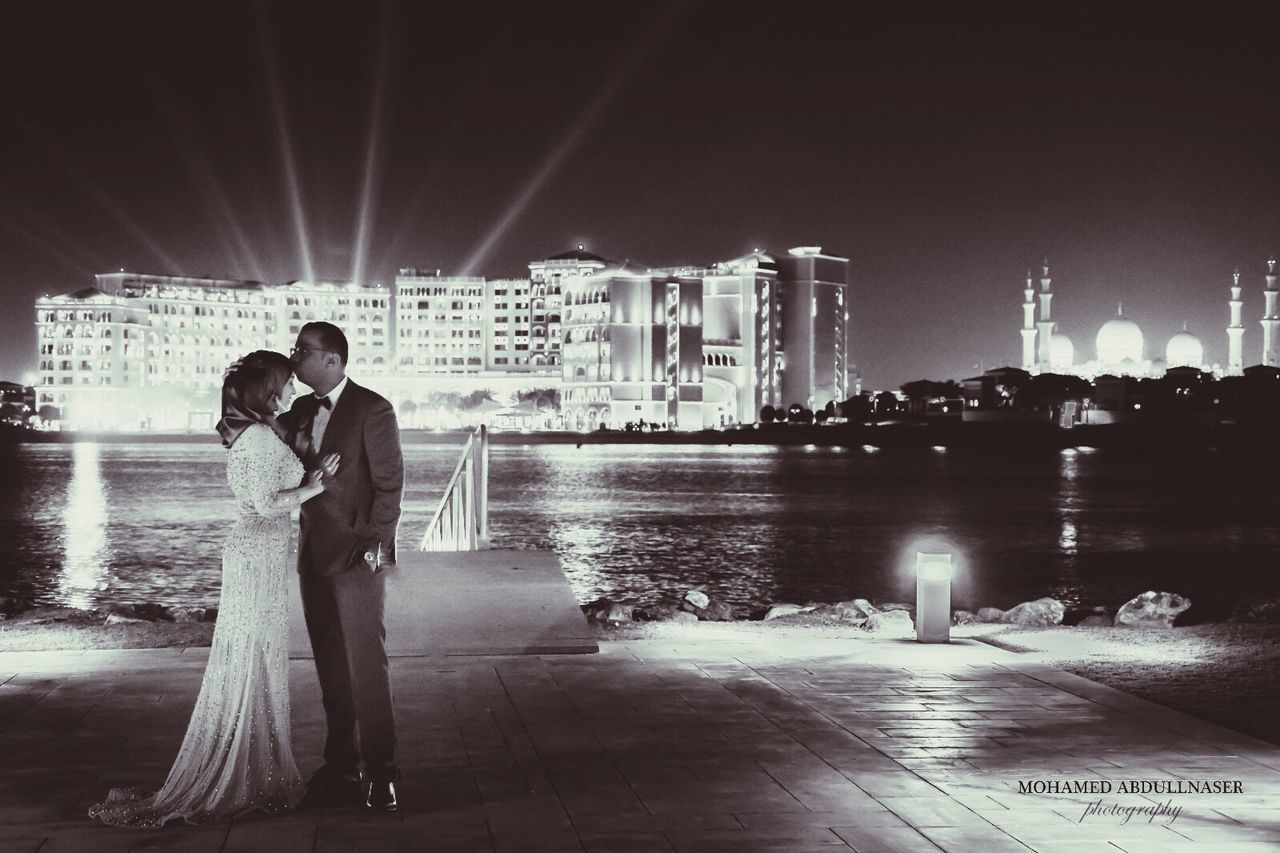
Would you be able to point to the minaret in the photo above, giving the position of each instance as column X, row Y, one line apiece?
column 1029, row 326
column 1045, row 324
column 1270, row 319
column 1235, row 332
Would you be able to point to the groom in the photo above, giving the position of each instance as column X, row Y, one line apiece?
column 348, row 534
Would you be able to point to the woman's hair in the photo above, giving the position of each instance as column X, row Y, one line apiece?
column 252, row 387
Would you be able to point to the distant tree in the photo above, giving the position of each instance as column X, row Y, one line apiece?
column 544, row 398
column 766, row 414
column 856, row 409
column 821, row 416
column 50, row 413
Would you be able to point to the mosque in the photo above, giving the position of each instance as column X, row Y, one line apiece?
column 1120, row 347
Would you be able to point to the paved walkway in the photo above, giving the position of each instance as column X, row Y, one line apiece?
column 744, row 745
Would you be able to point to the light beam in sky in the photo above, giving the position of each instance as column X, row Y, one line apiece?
column 364, row 218
column 53, row 252
column 608, row 89
column 207, row 185
column 104, row 200
column 67, row 251
column 285, row 141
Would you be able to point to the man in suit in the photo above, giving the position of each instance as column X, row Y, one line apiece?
column 347, row 537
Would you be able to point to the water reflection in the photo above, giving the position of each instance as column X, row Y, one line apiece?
column 84, row 530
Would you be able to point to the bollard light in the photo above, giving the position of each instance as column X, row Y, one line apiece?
column 933, row 598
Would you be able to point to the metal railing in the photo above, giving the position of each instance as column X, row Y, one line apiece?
column 461, row 522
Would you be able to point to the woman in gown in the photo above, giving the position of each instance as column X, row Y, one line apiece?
column 237, row 756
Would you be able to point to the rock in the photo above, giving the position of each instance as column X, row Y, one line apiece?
column 1076, row 615
column 697, row 599
column 1256, row 610
column 1097, row 620
column 858, row 608
column 604, row 610
column 989, row 614
column 1152, row 610
column 896, row 605
column 43, row 615
column 119, row 619
column 890, row 622
column 964, row 617
column 152, row 612
column 716, row 611
column 683, row 616
column 189, row 614
column 656, row 613
column 777, row 611
column 1041, row 613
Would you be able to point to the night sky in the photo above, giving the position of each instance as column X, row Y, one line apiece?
column 943, row 150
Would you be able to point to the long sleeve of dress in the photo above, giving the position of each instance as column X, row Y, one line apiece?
column 264, row 473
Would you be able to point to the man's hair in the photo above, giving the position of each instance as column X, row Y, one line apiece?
column 330, row 338
column 253, row 385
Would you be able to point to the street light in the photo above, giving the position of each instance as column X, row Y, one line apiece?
column 933, row 598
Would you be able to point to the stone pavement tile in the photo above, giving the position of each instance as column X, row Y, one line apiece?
column 437, row 789
column 285, row 834
column 799, row 840
column 886, row 783
column 626, row 842
column 532, row 830
column 1194, row 846
column 588, row 823
column 817, row 785
column 597, row 789
column 1201, row 827
column 854, row 815
column 973, row 839
column 939, row 810
column 89, row 837
column 885, row 839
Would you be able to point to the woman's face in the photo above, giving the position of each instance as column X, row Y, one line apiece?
column 284, row 396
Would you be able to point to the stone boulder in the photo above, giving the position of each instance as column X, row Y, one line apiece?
column 1041, row 613
column 45, row 615
column 989, row 614
column 893, row 623
column 964, row 617
column 858, row 608
column 717, row 611
column 696, row 600
column 11, row 604
column 682, row 616
column 121, row 619
column 777, row 611
column 1152, row 610
column 1256, row 610
column 194, row 614
column 605, row 611
column 898, row 605
column 1097, row 620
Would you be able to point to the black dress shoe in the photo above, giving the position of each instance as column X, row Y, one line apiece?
column 328, row 789
column 381, row 797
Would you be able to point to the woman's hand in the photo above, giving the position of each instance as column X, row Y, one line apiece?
column 315, row 479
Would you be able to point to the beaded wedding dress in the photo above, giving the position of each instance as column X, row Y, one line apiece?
column 237, row 756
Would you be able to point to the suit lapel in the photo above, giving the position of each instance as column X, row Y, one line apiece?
column 340, row 418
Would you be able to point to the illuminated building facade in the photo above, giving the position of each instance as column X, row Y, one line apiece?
column 739, row 335
column 632, row 349
column 686, row 348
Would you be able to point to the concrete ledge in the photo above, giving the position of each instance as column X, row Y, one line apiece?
column 495, row 602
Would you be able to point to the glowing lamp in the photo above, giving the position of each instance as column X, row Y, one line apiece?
column 933, row 598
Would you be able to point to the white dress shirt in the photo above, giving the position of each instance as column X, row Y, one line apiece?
column 321, row 422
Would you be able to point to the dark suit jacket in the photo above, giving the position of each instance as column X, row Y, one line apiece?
column 360, row 507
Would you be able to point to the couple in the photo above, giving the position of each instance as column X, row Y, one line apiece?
column 237, row 755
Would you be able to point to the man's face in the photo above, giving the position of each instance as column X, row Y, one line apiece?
column 308, row 358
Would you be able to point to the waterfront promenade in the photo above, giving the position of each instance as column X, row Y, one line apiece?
column 716, row 743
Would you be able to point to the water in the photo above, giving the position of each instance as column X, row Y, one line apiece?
column 86, row 524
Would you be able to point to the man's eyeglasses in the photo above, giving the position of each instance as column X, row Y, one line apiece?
column 293, row 351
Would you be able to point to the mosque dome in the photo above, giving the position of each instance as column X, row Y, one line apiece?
column 1184, row 350
column 1119, row 339
column 1062, row 353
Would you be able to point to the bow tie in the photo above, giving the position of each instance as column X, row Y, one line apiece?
column 324, row 403
column 309, row 405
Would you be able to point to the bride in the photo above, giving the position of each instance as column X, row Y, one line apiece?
column 237, row 756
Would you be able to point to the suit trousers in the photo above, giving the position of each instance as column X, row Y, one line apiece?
column 348, row 638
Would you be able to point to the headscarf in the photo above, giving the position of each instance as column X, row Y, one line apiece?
column 237, row 414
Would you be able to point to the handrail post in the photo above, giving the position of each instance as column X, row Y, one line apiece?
column 483, row 490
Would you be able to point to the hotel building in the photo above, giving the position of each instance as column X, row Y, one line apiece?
column 683, row 347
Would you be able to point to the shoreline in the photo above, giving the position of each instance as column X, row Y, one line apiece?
column 1155, row 435
column 1222, row 672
